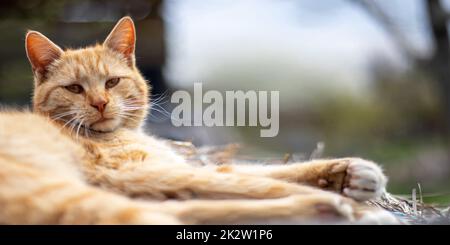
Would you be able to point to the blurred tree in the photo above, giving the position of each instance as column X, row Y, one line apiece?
column 437, row 65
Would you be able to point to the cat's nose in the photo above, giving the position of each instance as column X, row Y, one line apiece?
column 99, row 105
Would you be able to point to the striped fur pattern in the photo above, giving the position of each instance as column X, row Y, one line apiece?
column 81, row 157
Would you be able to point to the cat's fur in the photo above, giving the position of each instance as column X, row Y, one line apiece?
column 81, row 157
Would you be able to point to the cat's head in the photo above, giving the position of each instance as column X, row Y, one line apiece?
column 97, row 88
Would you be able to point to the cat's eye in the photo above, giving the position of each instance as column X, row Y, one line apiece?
column 112, row 82
column 74, row 88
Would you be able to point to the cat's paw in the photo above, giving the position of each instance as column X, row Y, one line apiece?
column 364, row 180
column 378, row 217
column 329, row 208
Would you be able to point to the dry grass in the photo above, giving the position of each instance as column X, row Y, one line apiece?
column 413, row 211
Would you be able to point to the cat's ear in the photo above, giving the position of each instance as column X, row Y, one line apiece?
column 122, row 38
column 41, row 51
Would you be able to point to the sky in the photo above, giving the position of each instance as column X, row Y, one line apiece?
column 316, row 46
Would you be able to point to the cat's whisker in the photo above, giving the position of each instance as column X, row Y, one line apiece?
column 63, row 114
column 158, row 97
column 164, row 112
column 132, row 99
column 127, row 117
column 76, row 122
column 131, row 109
column 133, row 102
column 127, row 113
column 59, row 115
column 69, row 122
column 158, row 119
column 132, row 105
column 157, row 100
column 160, row 111
column 79, row 126
column 86, row 132
column 73, row 125
column 133, row 112
column 158, row 105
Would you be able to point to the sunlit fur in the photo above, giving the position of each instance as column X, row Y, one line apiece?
column 58, row 166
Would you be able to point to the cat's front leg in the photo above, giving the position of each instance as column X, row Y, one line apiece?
column 353, row 177
column 168, row 181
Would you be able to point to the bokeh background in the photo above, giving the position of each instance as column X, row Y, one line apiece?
column 368, row 78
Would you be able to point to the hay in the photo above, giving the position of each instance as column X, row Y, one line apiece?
column 412, row 211
column 408, row 210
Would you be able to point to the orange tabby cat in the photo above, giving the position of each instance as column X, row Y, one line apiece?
column 82, row 157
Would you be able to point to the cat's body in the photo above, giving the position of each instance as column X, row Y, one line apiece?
column 81, row 157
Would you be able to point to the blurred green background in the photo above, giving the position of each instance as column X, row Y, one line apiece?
column 367, row 78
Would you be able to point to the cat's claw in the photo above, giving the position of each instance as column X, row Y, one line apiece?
column 364, row 180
